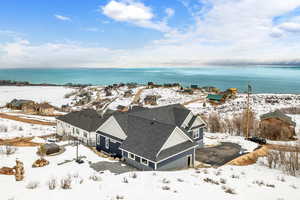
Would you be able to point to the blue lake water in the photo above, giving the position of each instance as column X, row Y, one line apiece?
column 264, row 79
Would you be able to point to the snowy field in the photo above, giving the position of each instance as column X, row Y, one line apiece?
column 12, row 129
column 52, row 94
column 211, row 183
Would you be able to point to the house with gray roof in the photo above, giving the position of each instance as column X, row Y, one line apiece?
column 161, row 138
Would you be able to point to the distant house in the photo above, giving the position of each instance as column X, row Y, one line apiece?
column 17, row 104
column 122, row 108
column 277, row 126
column 216, row 98
column 160, row 138
column 128, row 93
column 29, row 108
column 150, row 100
column 186, row 91
column 194, row 86
column 210, row 89
column 45, row 109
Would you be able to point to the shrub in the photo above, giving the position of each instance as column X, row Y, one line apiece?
column 8, row 150
column 259, row 183
column 228, row 190
column 125, row 180
column 209, row 180
column 133, row 175
column 66, row 183
column 223, row 180
column 3, row 128
column 32, row 185
column 166, row 181
column 95, row 177
column 293, row 186
column 270, row 185
column 180, row 180
column 119, row 197
column 52, row 183
column 281, row 178
column 235, row 176
column 217, row 173
column 165, row 187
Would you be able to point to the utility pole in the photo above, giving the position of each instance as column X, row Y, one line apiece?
column 249, row 89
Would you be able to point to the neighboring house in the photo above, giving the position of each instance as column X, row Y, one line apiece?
column 45, row 109
column 81, row 125
column 216, row 98
column 194, row 86
column 161, row 138
column 128, row 93
column 17, row 104
column 277, row 126
column 29, row 108
column 150, row 100
column 122, row 108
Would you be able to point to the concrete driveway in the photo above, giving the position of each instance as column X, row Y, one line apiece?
column 113, row 167
column 218, row 155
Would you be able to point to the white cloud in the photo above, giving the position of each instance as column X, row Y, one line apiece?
column 135, row 13
column 170, row 12
column 290, row 27
column 127, row 11
column 62, row 18
column 230, row 32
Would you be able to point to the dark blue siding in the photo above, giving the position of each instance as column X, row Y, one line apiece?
column 137, row 162
column 151, row 165
column 200, row 135
column 113, row 146
column 176, row 157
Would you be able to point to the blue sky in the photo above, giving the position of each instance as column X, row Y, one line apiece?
column 116, row 33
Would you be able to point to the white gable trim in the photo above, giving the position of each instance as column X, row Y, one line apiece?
column 187, row 119
column 198, row 121
column 112, row 127
column 169, row 143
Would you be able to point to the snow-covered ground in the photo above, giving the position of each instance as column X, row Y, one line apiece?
column 52, row 94
column 212, row 139
column 245, row 181
column 12, row 129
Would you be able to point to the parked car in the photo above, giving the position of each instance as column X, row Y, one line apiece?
column 258, row 140
column 52, row 140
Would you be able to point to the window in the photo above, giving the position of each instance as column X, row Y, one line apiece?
column 144, row 161
column 98, row 139
column 85, row 134
column 107, row 142
column 196, row 133
column 77, row 131
column 131, row 156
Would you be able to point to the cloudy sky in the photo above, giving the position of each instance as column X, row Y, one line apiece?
column 138, row 33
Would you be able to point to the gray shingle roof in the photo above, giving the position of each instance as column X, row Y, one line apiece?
column 175, row 149
column 172, row 114
column 148, row 129
column 146, row 137
column 88, row 119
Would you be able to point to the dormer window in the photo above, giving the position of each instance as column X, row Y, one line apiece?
column 196, row 133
